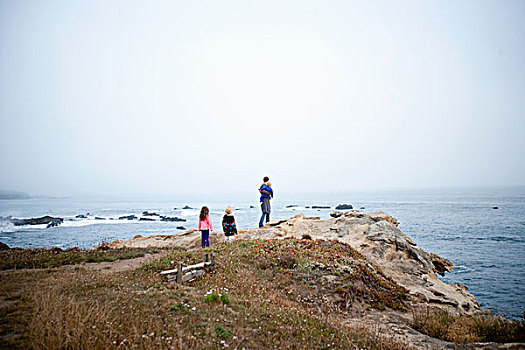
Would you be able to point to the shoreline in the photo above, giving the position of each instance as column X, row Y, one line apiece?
column 369, row 242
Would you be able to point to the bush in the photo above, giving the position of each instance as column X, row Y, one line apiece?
column 177, row 307
column 213, row 297
column 222, row 332
column 465, row 329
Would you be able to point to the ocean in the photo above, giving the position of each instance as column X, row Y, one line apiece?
column 486, row 245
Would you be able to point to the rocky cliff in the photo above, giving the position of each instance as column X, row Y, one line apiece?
column 374, row 235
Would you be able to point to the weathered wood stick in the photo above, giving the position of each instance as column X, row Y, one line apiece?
column 187, row 268
column 191, row 275
column 179, row 273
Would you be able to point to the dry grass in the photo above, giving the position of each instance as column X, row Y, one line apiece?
column 286, row 294
column 462, row 329
column 55, row 257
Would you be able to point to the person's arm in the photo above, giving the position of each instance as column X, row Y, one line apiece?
column 265, row 192
column 209, row 222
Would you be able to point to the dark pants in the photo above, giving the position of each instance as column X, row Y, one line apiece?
column 205, row 238
column 262, row 218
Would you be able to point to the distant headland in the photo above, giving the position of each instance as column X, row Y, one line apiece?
column 6, row 194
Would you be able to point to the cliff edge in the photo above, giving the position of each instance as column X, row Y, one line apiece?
column 374, row 235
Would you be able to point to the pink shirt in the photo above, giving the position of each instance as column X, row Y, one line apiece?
column 205, row 224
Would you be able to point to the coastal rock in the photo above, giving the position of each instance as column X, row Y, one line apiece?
column 128, row 217
column 168, row 218
column 49, row 220
column 344, row 207
column 251, row 207
column 146, row 219
column 374, row 235
column 146, row 213
column 320, row 207
column 292, row 206
column 181, row 228
column 81, row 216
column 99, row 218
column 4, row 246
column 187, row 207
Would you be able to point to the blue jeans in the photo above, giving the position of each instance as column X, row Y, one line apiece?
column 262, row 218
column 205, row 241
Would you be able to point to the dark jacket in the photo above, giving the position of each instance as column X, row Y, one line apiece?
column 266, row 192
column 228, row 225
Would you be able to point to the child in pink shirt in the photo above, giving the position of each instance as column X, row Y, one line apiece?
column 205, row 226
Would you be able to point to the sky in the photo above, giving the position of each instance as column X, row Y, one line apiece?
column 167, row 97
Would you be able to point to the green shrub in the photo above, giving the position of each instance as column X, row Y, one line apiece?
column 222, row 332
column 213, row 297
column 177, row 307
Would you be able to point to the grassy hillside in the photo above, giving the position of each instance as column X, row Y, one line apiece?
column 259, row 294
column 285, row 294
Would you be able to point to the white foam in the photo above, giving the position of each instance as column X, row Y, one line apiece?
column 189, row 212
column 6, row 226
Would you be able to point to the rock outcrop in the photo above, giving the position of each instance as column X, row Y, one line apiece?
column 49, row 220
column 128, row 217
column 344, row 207
column 374, row 235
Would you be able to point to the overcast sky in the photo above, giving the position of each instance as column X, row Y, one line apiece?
column 166, row 97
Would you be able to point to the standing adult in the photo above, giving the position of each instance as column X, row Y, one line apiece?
column 266, row 195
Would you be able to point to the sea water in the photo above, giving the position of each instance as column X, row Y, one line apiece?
column 486, row 245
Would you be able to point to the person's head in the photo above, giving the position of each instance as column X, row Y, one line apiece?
column 266, row 179
column 204, row 213
column 228, row 209
column 269, row 184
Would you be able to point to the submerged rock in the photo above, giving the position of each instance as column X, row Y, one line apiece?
column 146, row 219
column 292, row 206
column 168, row 218
column 320, row 207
